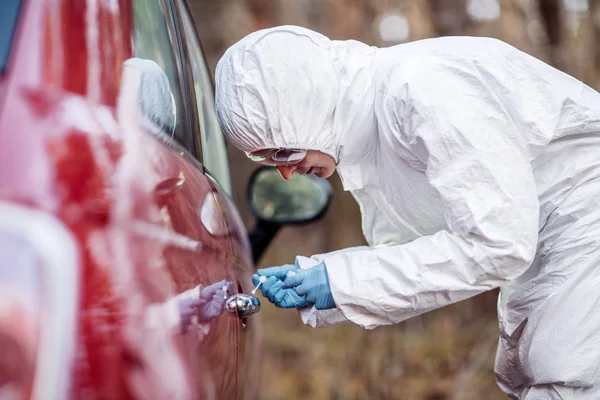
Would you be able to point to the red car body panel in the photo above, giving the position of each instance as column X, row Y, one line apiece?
column 148, row 221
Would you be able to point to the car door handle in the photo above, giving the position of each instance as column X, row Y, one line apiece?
column 243, row 305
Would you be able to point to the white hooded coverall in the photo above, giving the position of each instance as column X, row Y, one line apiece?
column 475, row 166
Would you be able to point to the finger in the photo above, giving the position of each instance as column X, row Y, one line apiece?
column 301, row 301
column 293, row 297
column 294, row 280
column 219, row 296
column 302, row 289
column 268, row 272
column 278, row 272
column 278, row 299
column 267, row 285
column 207, row 293
column 255, row 279
column 216, row 285
column 309, row 295
column 273, row 290
column 219, row 302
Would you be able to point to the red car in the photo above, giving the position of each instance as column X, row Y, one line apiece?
column 124, row 266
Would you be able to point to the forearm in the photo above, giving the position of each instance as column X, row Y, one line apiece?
column 386, row 285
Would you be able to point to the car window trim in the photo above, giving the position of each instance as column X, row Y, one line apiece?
column 181, row 61
column 190, row 75
column 184, row 7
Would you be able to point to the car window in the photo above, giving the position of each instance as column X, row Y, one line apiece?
column 214, row 150
column 155, row 50
column 8, row 22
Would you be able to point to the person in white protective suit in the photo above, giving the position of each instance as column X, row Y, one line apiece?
column 475, row 166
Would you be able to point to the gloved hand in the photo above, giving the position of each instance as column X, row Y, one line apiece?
column 313, row 284
column 272, row 287
column 208, row 305
column 212, row 300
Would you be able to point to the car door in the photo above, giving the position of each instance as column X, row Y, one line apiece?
column 195, row 231
column 100, row 126
column 215, row 161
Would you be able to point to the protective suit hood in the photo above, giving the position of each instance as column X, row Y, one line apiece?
column 290, row 87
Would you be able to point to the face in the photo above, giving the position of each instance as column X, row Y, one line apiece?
column 317, row 163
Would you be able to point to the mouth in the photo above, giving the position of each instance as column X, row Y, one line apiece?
column 317, row 171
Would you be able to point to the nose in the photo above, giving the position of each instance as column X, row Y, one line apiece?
column 286, row 171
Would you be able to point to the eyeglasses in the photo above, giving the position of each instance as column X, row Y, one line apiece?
column 278, row 156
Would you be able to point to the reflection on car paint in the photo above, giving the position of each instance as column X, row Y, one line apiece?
column 211, row 218
column 164, row 236
column 167, row 187
column 202, row 304
column 192, row 310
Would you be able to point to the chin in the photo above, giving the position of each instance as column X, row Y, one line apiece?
column 323, row 174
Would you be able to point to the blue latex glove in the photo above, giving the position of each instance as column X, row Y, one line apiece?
column 212, row 300
column 273, row 290
column 210, row 304
column 313, row 284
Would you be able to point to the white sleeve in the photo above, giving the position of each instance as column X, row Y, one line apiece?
column 321, row 318
column 474, row 156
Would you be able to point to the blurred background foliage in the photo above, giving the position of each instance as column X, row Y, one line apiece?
column 446, row 354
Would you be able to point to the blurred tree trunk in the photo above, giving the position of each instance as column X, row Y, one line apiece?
column 449, row 17
column 219, row 24
column 349, row 19
column 595, row 17
column 550, row 13
column 207, row 15
column 306, row 13
column 263, row 13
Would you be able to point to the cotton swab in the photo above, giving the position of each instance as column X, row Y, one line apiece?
column 261, row 280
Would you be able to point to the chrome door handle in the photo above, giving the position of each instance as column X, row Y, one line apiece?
column 243, row 305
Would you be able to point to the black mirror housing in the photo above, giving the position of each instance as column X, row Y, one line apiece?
column 276, row 202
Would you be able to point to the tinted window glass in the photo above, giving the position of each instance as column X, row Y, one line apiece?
column 214, row 151
column 161, row 91
column 9, row 13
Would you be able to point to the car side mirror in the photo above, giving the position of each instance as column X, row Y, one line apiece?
column 276, row 202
